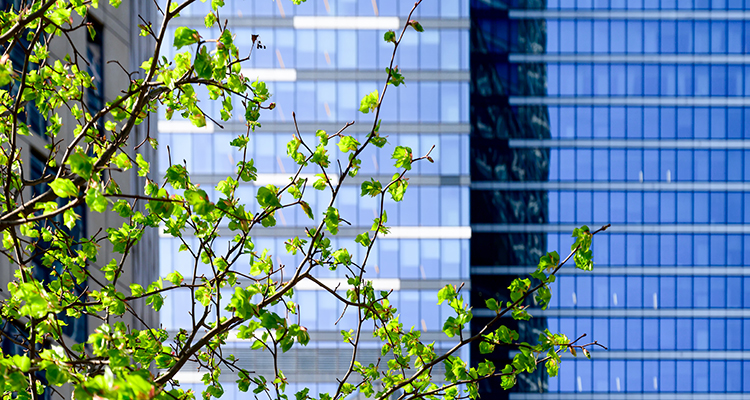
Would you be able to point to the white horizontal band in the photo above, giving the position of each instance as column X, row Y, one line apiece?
column 343, row 22
column 616, row 186
column 396, row 232
column 627, row 396
column 184, row 127
column 703, row 101
column 342, row 284
column 429, row 232
column 669, row 144
column 607, row 270
column 271, row 74
column 736, row 15
column 284, row 179
column 628, row 313
column 632, row 58
column 618, row 228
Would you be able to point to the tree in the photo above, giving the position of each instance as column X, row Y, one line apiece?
column 117, row 361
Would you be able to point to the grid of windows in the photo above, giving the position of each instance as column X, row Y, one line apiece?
column 665, row 376
column 321, row 75
column 632, row 4
column 639, row 36
column 397, row 8
column 665, row 122
column 645, row 103
column 331, row 101
column 210, row 153
column 654, row 292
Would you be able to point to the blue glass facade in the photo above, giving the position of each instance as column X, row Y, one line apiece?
column 647, row 121
column 320, row 69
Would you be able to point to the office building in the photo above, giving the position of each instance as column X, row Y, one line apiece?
column 631, row 113
column 116, row 39
column 319, row 59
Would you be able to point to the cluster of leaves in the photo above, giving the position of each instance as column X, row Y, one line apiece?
column 250, row 300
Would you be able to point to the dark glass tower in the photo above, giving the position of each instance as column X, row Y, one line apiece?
column 500, row 199
column 629, row 112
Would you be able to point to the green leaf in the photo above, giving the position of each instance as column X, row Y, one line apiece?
column 23, row 363
column 136, row 289
column 177, row 176
column 240, row 141
column 486, row 347
column 321, row 183
column 95, row 200
column 348, row 143
column 292, row 148
column 332, row 220
column 204, row 64
column 543, row 297
column 268, row 221
column 267, row 197
column 156, row 301
column 549, row 261
column 553, row 364
column 363, row 239
column 403, row 157
column 198, row 199
column 447, row 293
column 371, row 188
column 161, row 208
column 398, row 188
column 486, row 368
column 506, row 335
column 143, row 165
column 198, row 119
column 416, row 25
column 184, row 36
column 369, row 103
column 320, row 156
column 122, row 161
column 322, row 136
column 395, row 76
column 342, row 256
column 306, row 208
column 64, row 188
column 492, row 304
column 390, row 36
column 175, row 277
column 518, row 288
column 209, row 20
column 80, row 164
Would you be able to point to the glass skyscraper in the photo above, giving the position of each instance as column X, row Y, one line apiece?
column 319, row 59
column 631, row 113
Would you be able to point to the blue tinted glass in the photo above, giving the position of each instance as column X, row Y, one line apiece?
column 684, row 376
column 634, row 376
column 667, row 333
column 617, row 333
column 617, row 36
column 700, row 376
column 667, row 376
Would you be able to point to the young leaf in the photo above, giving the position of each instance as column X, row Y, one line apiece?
column 198, row 199
column 369, row 103
column 416, row 25
column 267, row 197
column 390, row 36
column 348, row 143
column 64, row 188
column 80, row 164
column 332, row 220
column 306, row 208
column 184, row 36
